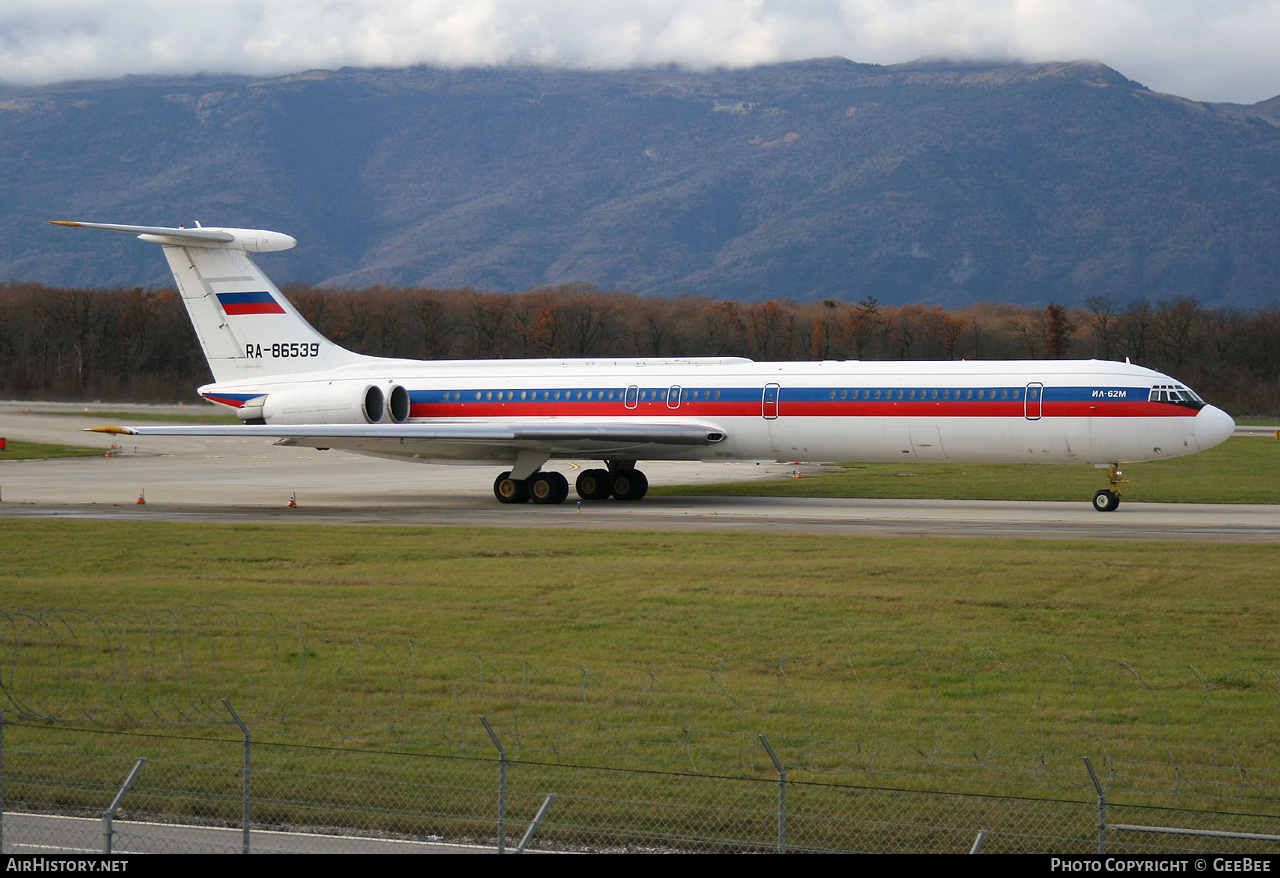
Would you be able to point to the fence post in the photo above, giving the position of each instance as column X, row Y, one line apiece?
column 502, row 787
column 782, row 796
column 244, row 805
column 537, row 821
column 1102, row 807
column 107, row 817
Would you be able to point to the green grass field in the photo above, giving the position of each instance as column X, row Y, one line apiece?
column 203, row 416
column 1154, row 654
column 1240, row 470
column 15, row 450
column 608, row 597
column 1162, row 653
column 618, row 597
column 914, row 659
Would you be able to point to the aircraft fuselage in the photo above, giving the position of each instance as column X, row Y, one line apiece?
column 1037, row 411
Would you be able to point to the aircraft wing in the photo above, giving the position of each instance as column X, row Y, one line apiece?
column 478, row 440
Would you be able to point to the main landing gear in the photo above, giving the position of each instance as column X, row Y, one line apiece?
column 1108, row 499
column 623, row 482
column 540, row 487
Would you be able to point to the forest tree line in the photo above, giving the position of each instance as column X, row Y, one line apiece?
column 137, row 344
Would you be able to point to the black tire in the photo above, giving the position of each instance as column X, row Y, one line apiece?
column 630, row 485
column 594, row 484
column 562, row 488
column 1105, row 501
column 509, row 490
column 548, row 488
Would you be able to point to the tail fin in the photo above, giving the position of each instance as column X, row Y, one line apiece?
column 246, row 327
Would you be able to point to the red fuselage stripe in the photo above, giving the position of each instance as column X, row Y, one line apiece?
column 802, row 409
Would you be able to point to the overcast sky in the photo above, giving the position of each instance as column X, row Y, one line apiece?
column 1215, row 50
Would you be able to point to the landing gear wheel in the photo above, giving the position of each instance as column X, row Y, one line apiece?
column 1108, row 499
column 509, row 490
column 1105, row 501
column 594, row 484
column 548, row 488
column 631, row 485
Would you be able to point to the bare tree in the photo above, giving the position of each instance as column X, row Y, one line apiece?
column 1102, row 320
column 1177, row 320
column 79, row 316
column 1136, row 325
column 428, row 316
column 770, row 330
column 943, row 330
column 1057, row 331
column 721, row 330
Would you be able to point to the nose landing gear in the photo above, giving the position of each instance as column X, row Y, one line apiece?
column 1108, row 499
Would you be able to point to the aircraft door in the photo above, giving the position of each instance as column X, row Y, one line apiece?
column 1034, row 397
column 769, row 402
column 926, row 442
column 673, row 396
column 633, row 397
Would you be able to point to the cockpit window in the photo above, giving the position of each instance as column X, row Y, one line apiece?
column 1177, row 395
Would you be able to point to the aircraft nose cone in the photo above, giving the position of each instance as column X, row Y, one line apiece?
column 1213, row 426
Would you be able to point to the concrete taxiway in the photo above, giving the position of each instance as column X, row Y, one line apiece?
column 249, row 480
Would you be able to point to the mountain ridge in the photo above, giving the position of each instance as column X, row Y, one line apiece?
column 933, row 181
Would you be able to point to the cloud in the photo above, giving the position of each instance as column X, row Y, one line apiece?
column 1204, row 49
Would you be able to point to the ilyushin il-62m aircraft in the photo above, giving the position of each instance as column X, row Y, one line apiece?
column 288, row 382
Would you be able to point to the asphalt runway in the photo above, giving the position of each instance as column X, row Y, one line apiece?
column 249, row 481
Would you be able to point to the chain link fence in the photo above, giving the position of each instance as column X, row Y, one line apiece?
column 343, row 743
column 200, row 795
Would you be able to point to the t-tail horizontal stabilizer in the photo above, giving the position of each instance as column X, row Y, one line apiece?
column 251, row 240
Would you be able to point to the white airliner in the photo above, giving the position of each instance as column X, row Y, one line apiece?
column 287, row 381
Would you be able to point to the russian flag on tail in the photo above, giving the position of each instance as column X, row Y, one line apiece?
column 249, row 303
